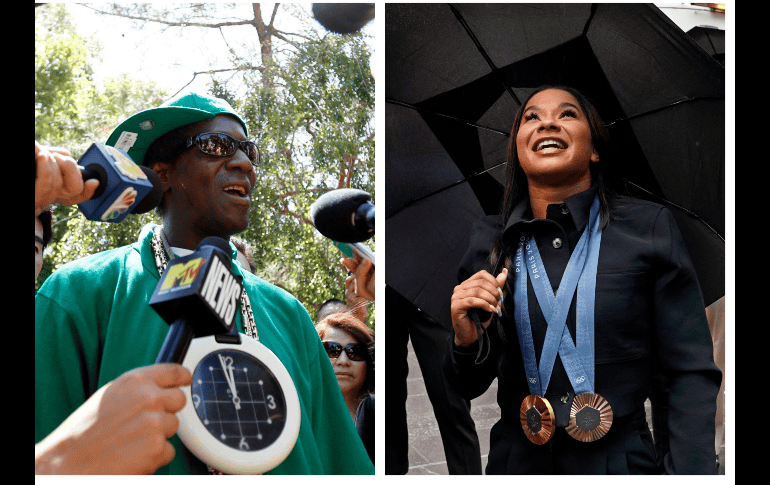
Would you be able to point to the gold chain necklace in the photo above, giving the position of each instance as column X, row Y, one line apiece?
column 162, row 251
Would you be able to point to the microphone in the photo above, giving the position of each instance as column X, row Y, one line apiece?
column 343, row 18
column 344, row 215
column 197, row 296
column 124, row 186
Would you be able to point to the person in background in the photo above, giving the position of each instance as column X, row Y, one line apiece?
column 330, row 306
column 43, row 236
column 245, row 254
column 349, row 343
column 407, row 323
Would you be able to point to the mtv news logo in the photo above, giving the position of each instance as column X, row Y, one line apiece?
column 219, row 289
column 182, row 275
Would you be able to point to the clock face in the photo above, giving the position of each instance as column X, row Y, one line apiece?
column 238, row 400
column 243, row 412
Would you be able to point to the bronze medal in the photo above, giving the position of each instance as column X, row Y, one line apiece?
column 590, row 417
column 537, row 419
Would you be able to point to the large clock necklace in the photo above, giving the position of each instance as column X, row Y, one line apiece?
column 242, row 414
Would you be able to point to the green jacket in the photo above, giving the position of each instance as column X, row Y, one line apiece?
column 93, row 323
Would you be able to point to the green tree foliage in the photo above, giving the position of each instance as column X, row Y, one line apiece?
column 72, row 111
column 62, row 74
column 308, row 100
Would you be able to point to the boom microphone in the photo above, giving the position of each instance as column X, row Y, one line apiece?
column 343, row 18
column 197, row 296
column 124, row 186
column 344, row 215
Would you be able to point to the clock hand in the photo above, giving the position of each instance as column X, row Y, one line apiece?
column 227, row 367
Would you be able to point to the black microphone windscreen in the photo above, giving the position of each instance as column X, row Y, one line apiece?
column 218, row 243
column 343, row 18
column 332, row 214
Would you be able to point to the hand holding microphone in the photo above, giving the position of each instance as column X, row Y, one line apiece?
column 124, row 187
column 58, row 179
column 481, row 293
column 361, row 279
column 122, row 429
column 347, row 215
column 105, row 183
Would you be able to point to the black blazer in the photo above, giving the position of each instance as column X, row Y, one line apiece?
column 649, row 311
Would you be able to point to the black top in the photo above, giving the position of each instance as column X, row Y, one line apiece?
column 365, row 424
column 649, row 311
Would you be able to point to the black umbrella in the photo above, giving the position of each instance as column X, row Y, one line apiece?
column 711, row 39
column 456, row 74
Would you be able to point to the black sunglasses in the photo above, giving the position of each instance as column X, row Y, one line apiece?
column 356, row 352
column 222, row 145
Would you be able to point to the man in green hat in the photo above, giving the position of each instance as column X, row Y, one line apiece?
column 100, row 407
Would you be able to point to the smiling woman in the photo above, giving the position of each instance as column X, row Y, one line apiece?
column 575, row 111
column 555, row 148
column 593, row 296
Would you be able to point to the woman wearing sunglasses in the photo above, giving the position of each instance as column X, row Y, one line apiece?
column 93, row 324
column 349, row 343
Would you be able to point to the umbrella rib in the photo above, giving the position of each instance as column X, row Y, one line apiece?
column 590, row 19
column 483, row 52
column 606, row 125
column 453, row 118
column 688, row 100
column 447, row 187
column 708, row 38
column 686, row 211
column 666, row 201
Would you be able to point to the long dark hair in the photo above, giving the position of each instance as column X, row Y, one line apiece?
column 605, row 173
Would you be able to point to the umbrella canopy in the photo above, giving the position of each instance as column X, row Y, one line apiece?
column 711, row 39
column 455, row 76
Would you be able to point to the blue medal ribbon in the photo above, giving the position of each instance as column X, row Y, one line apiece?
column 580, row 273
